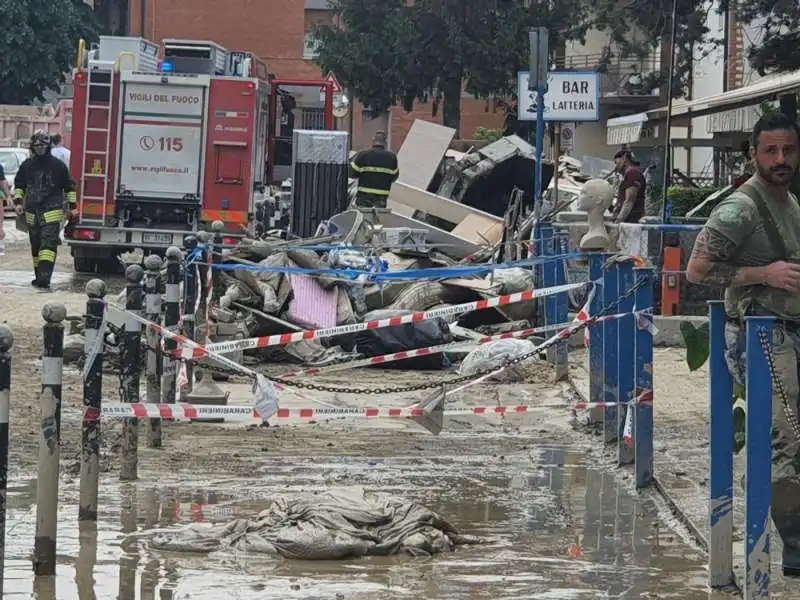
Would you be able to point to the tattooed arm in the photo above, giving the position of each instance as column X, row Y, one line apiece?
column 710, row 263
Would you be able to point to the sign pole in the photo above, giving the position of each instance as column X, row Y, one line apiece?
column 556, row 157
column 539, row 68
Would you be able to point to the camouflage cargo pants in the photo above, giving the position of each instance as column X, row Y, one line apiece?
column 785, row 441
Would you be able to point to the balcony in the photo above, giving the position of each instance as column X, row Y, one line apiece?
column 623, row 81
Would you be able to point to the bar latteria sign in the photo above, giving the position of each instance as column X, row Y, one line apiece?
column 570, row 96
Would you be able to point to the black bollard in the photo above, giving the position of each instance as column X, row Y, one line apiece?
column 44, row 544
column 172, row 319
column 216, row 275
column 6, row 342
column 92, row 399
column 189, row 303
column 131, row 371
column 152, row 312
column 203, row 271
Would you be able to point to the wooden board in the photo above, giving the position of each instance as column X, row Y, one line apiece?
column 422, row 151
column 415, row 198
column 480, row 230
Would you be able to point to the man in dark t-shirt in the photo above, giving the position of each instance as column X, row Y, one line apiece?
column 629, row 207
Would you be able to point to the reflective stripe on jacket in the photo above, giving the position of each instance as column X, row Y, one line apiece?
column 376, row 170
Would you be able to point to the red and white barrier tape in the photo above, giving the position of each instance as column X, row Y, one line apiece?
column 194, row 352
column 388, row 358
column 247, row 413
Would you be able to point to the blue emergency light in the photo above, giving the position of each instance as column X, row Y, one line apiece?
column 166, row 67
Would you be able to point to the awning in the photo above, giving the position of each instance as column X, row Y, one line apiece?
column 620, row 130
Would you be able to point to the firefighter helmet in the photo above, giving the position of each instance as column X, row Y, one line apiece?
column 41, row 143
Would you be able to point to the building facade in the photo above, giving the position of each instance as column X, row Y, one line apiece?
column 279, row 32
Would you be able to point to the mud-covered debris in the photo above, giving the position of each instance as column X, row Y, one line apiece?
column 495, row 354
column 329, row 525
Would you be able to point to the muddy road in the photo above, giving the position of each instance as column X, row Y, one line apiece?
column 562, row 522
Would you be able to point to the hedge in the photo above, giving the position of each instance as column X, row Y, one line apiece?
column 685, row 199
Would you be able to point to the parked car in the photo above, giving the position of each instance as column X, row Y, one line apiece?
column 11, row 159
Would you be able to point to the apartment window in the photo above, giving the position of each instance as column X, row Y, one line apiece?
column 312, row 19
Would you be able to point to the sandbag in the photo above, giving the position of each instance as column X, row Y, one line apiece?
column 411, row 336
column 419, row 296
column 494, row 354
column 513, row 280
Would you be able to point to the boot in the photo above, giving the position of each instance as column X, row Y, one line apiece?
column 43, row 275
column 786, row 516
column 35, row 276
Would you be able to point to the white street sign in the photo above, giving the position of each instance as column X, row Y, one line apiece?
column 570, row 96
column 567, row 137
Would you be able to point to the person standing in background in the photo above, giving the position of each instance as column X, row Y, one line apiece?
column 630, row 204
column 376, row 170
column 59, row 151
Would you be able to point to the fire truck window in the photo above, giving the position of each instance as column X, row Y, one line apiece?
column 230, row 165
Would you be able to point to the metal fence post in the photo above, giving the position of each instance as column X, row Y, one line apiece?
column 132, row 370
column 610, row 358
column 190, row 298
column 643, row 374
column 204, row 389
column 94, row 332
column 547, row 273
column 596, row 337
column 44, row 545
column 152, row 312
column 6, row 343
column 758, row 488
column 561, row 310
column 720, row 450
column 626, row 362
column 172, row 319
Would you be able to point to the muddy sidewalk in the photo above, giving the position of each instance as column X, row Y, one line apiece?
column 682, row 451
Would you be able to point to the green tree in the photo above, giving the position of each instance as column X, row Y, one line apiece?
column 386, row 51
column 38, row 45
column 367, row 52
column 641, row 27
column 779, row 27
column 482, row 43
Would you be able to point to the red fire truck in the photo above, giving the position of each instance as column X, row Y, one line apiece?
column 165, row 140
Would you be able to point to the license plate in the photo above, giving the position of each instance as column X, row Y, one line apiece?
column 156, row 238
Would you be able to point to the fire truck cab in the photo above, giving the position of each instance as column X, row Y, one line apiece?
column 165, row 140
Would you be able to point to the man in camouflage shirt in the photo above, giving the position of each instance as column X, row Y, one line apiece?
column 751, row 246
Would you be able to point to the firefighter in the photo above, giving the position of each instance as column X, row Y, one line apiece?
column 39, row 188
column 376, row 171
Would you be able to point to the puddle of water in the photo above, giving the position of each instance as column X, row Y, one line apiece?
column 561, row 531
column 61, row 281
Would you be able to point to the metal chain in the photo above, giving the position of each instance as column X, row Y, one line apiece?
column 777, row 383
column 610, row 309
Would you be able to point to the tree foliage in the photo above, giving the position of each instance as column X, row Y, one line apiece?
column 38, row 45
column 387, row 51
column 638, row 28
column 390, row 50
column 368, row 52
column 779, row 24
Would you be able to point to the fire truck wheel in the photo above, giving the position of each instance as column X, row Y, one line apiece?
column 108, row 266
column 83, row 264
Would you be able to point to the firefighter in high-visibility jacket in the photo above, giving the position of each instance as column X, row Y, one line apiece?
column 376, row 171
column 40, row 185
